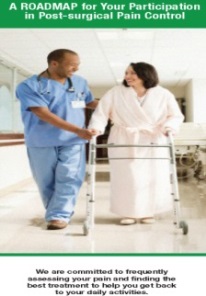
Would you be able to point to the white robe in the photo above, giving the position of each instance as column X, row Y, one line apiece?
column 139, row 187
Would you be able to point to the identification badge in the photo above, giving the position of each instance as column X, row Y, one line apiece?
column 78, row 104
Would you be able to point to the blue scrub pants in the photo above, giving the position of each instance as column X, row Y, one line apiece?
column 59, row 173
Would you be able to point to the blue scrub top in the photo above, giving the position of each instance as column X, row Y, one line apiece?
column 34, row 93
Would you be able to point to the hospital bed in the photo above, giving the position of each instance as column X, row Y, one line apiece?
column 191, row 134
column 190, row 149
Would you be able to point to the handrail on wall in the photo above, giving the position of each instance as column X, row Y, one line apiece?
column 11, row 139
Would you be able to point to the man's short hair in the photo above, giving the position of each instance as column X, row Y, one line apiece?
column 58, row 55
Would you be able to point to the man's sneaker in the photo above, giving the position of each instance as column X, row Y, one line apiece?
column 56, row 224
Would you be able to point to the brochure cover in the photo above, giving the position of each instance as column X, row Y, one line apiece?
column 138, row 224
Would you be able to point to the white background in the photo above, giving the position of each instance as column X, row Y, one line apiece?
column 189, row 272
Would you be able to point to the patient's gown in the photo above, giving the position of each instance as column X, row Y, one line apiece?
column 139, row 187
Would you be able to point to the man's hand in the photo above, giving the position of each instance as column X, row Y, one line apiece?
column 93, row 104
column 86, row 134
column 46, row 115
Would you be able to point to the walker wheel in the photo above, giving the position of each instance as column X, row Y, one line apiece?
column 184, row 227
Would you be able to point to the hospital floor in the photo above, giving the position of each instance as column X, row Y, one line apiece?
column 23, row 229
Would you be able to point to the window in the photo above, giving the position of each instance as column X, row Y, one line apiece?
column 10, row 118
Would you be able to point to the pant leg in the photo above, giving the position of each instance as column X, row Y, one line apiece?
column 43, row 162
column 69, row 176
column 59, row 173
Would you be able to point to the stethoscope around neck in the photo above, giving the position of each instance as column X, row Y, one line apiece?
column 42, row 91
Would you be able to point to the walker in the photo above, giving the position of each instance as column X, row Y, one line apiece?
column 89, row 222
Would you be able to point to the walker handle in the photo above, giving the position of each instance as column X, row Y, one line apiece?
column 170, row 138
column 93, row 140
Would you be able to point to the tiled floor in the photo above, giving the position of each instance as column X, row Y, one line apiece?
column 23, row 229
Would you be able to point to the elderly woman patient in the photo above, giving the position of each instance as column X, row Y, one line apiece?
column 142, row 113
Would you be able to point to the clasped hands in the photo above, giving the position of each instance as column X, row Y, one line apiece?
column 87, row 134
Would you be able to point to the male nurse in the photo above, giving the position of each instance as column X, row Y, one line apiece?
column 53, row 111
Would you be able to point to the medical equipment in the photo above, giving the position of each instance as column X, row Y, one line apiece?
column 190, row 134
column 42, row 91
column 89, row 223
column 190, row 144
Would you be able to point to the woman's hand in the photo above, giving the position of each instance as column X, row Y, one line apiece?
column 87, row 134
column 168, row 130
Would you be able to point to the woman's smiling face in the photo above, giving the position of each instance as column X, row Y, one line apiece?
column 131, row 77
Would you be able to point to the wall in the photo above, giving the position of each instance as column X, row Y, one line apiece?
column 199, row 100
column 196, row 98
column 14, row 167
column 10, row 119
column 189, row 102
column 178, row 91
column 98, row 92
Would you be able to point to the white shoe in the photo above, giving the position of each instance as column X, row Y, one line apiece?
column 127, row 221
column 147, row 220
